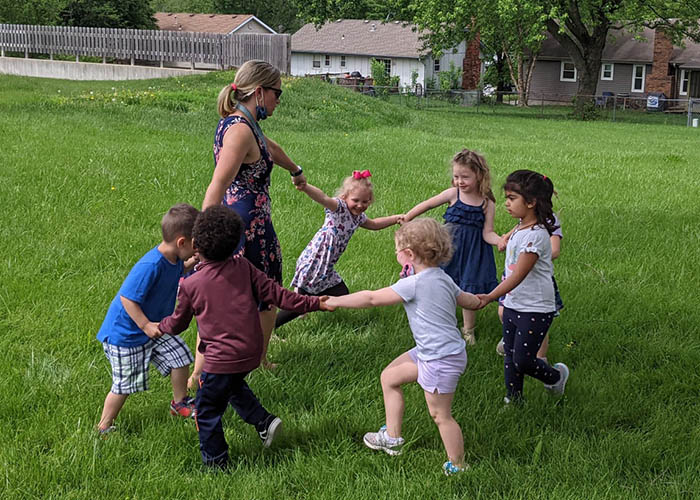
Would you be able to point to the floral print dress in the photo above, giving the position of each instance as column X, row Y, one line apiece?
column 249, row 196
column 314, row 272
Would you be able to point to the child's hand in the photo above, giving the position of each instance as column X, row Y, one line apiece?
column 299, row 182
column 484, row 300
column 399, row 218
column 151, row 329
column 503, row 242
column 193, row 381
column 324, row 304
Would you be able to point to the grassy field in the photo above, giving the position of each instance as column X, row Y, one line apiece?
column 88, row 170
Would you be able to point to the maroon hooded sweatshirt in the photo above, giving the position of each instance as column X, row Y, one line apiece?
column 224, row 297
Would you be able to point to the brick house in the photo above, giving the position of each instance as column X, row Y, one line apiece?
column 629, row 67
column 348, row 45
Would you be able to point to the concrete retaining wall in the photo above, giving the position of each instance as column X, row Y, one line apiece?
column 68, row 70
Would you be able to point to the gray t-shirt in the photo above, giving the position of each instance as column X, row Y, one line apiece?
column 430, row 301
column 536, row 292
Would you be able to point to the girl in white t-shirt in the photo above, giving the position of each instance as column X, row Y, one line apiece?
column 439, row 358
column 529, row 305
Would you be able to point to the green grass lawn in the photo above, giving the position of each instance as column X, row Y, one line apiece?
column 90, row 167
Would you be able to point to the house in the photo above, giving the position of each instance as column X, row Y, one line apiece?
column 212, row 23
column 348, row 45
column 629, row 67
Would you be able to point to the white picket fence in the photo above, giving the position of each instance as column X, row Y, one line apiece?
column 223, row 51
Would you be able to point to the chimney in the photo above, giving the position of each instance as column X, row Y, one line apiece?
column 660, row 78
column 471, row 66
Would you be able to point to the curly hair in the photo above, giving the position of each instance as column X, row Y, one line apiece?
column 178, row 221
column 430, row 241
column 477, row 164
column 217, row 232
column 534, row 187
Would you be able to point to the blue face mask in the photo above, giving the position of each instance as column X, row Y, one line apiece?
column 260, row 113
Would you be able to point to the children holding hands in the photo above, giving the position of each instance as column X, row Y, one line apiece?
column 469, row 217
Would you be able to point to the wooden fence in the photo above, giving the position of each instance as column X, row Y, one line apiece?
column 222, row 51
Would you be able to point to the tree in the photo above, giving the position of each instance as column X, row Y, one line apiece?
column 320, row 11
column 39, row 12
column 280, row 15
column 137, row 14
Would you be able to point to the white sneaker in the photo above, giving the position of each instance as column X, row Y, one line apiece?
column 501, row 348
column 469, row 337
column 560, row 385
column 382, row 441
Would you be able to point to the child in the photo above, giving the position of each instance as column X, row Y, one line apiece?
column 223, row 295
column 555, row 240
column 344, row 214
column 469, row 218
column 439, row 358
column 130, row 334
column 529, row 304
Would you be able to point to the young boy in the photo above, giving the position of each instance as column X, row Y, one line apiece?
column 224, row 295
column 130, row 334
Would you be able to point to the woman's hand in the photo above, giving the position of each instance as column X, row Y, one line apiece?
column 299, row 181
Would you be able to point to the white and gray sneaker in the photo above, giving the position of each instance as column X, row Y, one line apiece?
column 380, row 440
column 559, row 386
column 501, row 348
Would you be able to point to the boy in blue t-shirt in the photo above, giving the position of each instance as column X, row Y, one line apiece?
column 130, row 335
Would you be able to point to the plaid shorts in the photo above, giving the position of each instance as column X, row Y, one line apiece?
column 130, row 364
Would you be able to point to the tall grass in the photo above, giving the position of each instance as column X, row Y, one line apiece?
column 87, row 178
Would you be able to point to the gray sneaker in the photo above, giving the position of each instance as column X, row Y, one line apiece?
column 382, row 441
column 501, row 348
column 560, row 385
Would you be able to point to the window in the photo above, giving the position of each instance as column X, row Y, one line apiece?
column 317, row 61
column 684, row 81
column 568, row 72
column 327, row 60
column 606, row 71
column 342, row 61
column 638, row 73
column 436, row 66
column 387, row 64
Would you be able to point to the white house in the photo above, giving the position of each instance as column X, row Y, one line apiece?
column 348, row 45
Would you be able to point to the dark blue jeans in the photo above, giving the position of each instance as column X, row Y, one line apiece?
column 216, row 391
column 523, row 333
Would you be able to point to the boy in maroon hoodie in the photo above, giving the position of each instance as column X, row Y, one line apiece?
column 224, row 295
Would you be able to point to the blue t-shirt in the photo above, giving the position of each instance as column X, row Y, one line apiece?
column 152, row 283
column 430, row 300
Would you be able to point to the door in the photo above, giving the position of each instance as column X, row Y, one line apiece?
column 694, row 85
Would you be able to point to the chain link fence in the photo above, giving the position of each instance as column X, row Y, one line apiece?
column 651, row 108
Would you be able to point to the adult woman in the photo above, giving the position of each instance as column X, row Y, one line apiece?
column 244, row 159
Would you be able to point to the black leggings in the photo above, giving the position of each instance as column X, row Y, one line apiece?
column 334, row 291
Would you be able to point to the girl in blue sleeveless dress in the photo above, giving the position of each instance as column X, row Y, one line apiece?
column 469, row 217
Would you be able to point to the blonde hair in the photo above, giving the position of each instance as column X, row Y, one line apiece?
column 350, row 184
column 250, row 75
column 429, row 240
column 477, row 164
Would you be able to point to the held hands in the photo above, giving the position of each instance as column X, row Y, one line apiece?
column 398, row 219
column 325, row 304
column 484, row 300
column 299, row 181
column 151, row 329
column 503, row 242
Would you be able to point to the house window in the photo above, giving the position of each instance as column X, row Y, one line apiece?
column 317, row 61
column 568, row 72
column 327, row 60
column 387, row 64
column 638, row 73
column 436, row 66
column 606, row 71
column 342, row 61
column 684, row 81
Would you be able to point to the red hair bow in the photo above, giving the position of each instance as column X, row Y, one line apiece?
column 361, row 175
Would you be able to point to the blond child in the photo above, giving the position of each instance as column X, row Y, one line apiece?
column 439, row 358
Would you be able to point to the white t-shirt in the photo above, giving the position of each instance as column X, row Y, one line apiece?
column 536, row 292
column 430, row 301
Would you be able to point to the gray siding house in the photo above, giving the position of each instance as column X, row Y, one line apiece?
column 630, row 67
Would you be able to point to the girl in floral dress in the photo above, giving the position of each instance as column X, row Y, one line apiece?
column 345, row 212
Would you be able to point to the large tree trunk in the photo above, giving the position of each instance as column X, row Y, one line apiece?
column 503, row 77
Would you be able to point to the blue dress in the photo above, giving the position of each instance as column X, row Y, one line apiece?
column 473, row 267
column 249, row 196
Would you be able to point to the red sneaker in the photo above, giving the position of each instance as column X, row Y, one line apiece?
column 184, row 408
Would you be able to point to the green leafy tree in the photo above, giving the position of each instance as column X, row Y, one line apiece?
column 38, row 12
column 193, row 6
column 280, row 15
column 136, row 14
